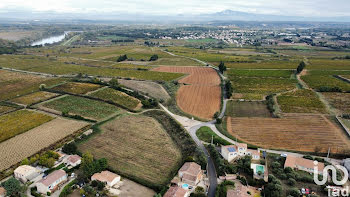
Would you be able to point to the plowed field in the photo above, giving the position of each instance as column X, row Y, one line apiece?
column 201, row 94
column 293, row 132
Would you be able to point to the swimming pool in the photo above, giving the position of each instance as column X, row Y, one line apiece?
column 185, row 186
column 260, row 168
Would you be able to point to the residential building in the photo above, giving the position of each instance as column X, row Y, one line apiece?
column 2, row 192
column 231, row 152
column 303, row 164
column 107, row 177
column 176, row 191
column 190, row 173
column 239, row 191
column 26, row 173
column 51, row 182
column 73, row 160
column 254, row 153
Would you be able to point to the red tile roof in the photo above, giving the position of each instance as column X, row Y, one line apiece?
column 293, row 162
column 51, row 178
column 175, row 191
column 191, row 168
column 74, row 158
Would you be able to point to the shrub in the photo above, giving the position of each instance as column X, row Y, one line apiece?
column 153, row 58
column 291, row 182
column 294, row 192
column 70, row 148
column 122, row 58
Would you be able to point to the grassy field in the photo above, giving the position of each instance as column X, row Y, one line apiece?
column 4, row 109
column 136, row 146
column 19, row 122
column 279, row 64
column 206, row 134
column 82, row 106
column 327, row 64
column 117, row 97
column 34, row 98
column 247, row 109
column 346, row 122
column 317, row 79
column 14, row 84
column 340, row 101
column 76, row 88
column 301, row 101
column 260, row 73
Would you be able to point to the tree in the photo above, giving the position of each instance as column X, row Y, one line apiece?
column 216, row 115
column 70, row 148
column 114, row 83
column 222, row 67
column 122, row 58
column 87, row 164
column 294, row 192
column 153, row 58
column 25, row 162
column 12, row 186
column 291, row 182
column 301, row 67
column 228, row 88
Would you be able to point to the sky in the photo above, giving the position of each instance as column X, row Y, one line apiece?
column 307, row 8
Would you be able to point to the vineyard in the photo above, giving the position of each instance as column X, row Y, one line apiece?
column 318, row 79
column 29, row 143
column 120, row 98
column 76, row 88
column 84, row 107
column 247, row 109
column 136, row 146
column 301, row 101
column 35, row 97
column 297, row 132
column 326, row 64
column 19, row 122
column 260, row 73
column 201, row 93
column 287, row 64
column 340, row 101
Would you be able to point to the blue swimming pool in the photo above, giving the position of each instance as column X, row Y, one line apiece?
column 185, row 186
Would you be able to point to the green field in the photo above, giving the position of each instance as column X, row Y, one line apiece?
column 82, row 106
column 34, row 98
column 287, row 64
column 317, row 79
column 327, row 64
column 19, row 122
column 205, row 134
column 260, row 73
column 117, row 97
column 247, row 109
column 301, row 101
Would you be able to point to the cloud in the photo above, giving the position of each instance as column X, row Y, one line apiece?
column 285, row 7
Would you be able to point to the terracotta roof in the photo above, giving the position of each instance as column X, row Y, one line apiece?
column 25, row 169
column 2, row 191
column 239, row 191
column 54, row 176
column 293, row 162
column 191, row 168
column 189, row 177
column 74, row 158
column 253, row 152
column 241, row 145
column 175, row 191
column 105, row 176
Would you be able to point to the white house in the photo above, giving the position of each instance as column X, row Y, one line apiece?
column 231, row 152
column 51, row 182
column 72, row 160
column 107, row 177
column 254, row 153
column 26, row 173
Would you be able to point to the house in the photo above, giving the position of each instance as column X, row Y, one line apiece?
column 190, row 173
column 73, row 160
column 239, row 191
column 51, row 182
column 176, row 191
column 26, row 173
column 255, row 154
column 107, row 177
column 303, row 164
column 2, row 192
column 231, row 152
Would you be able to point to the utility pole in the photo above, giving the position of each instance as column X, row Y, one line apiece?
column 329, row 149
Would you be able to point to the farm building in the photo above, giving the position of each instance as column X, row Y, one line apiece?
column 303, row 164
column 239, row 191
column 72, row 160
column 51, row 182
column 231, row 152
column 2, row 192
column 26, row 173
column 176, row 191
column 107, row 177
column 190, row 173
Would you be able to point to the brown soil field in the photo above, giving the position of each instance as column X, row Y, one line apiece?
column 27, row 144
column 340, row 101
column 136, row 146
column 298, row 132
column 147, row 87
column 201, row 96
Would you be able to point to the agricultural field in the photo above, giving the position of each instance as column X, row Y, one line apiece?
column 327, row 64
column 136, row 146
column 18, row 122
column 84, row 107
column 280, row 64
column 317, row 79
column 120, row 98
column 35, row 97
column 14, row 84
column 296, row 132
column 16, row 35
column 76, row 88
column 5, row 109
column 29, row 143
column 346, row 122
column 247, row 109
column 301, row 101
column 150, row 88
column 201, row 93
column 340, row 101
column 313, row 53
column 260, row 73
column 346, row 76
column 176, row 61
